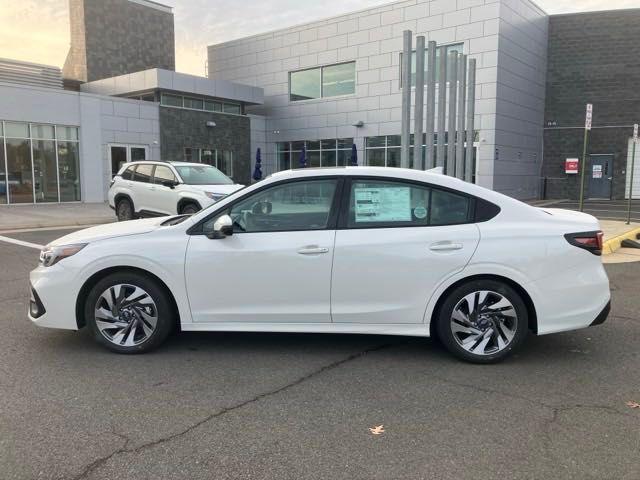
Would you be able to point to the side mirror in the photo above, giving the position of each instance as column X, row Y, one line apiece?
column 223, row 227
column 169, row 183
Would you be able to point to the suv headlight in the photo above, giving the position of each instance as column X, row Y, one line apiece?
column 215, row 196
column 51, row 255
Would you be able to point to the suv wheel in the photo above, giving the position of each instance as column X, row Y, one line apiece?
column 483, row 321
column 129, row 313
column 189, row 209
column 124, row 210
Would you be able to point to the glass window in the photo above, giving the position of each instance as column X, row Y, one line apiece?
column 45, row 171
column 20, row 176
column 284, row 159
column 69, row 171
column 148, row 98
column 344, row 158
column 446, row 48
column 375, row 158
column 163, row 174
column 45, row 132
column 67, row 133
column 195, row 103
column 171, row 100
column 328, row 144
column 225, row 162
column 138, row 154
column 208, row 156
column 328, row 158
column 301, row 205
column 339, row 80
column 297, row 146
column 143, row 173
column 448, row 208
column 313, row 159
column 393, row 157
column 305, row 84
column 192, row 155
column 118, row 158
column 387, row 204
column 202, row 175
column 17, row 130
column 1, row 130
column 128, row 173
column 376, row 142
column 232, row 108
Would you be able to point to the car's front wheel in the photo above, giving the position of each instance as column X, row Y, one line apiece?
column 482, row 321
column 189, row 209
column 129, row 312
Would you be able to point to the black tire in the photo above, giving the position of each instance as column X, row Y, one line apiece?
column 515, row 330
column 163, row 307
column 189, row 209
column 124, row 210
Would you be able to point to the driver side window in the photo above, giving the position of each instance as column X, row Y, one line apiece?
column 294, row 206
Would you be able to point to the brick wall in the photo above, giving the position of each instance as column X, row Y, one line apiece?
column 592, row 58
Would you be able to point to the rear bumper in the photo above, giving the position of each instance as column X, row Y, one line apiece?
column 602, row 316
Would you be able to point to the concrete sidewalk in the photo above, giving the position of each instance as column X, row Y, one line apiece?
column 19, row 217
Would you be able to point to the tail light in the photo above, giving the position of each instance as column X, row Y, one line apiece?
column 590, row 241
column 113, row 180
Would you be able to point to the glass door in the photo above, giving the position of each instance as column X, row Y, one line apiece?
column 120, row 154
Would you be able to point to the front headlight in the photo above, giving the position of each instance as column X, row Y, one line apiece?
column 51, row 255
column 215, row 196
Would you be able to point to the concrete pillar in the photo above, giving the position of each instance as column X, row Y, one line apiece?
column 462, row 92
column 405, row 130
column 418, row 151
column 453, row 90
column 471, row 111
column 429, row 160
column 442, row 105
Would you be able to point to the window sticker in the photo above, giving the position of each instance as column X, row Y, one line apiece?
column 383, row 204
column 420, row 213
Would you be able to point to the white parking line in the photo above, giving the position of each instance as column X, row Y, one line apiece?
column 20, row 242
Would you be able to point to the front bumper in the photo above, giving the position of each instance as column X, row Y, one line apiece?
column 602, row 316
column 53, row 293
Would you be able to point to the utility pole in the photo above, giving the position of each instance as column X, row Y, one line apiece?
column 587, row 127
column 633, row 165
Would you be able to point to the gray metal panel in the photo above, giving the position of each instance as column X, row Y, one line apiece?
column 471, row 105
column 418, row 151
column 442, row 105
column 462, row 86
column 431, row 104
column 24, row 73
column 406, row 99
column 453, row 90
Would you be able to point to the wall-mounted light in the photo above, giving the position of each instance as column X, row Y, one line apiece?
column 359, row 124
column 276, row 132
column 211, row 124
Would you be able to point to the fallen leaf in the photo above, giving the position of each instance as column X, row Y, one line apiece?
column 633, row 404
column 379, row 430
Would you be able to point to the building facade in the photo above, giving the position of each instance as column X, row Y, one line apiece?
column 323, row 78
column 593, row 59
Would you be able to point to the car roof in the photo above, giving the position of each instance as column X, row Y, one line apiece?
column 162, row 162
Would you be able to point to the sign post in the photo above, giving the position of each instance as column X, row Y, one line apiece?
column 633, row 165
column 587, row 127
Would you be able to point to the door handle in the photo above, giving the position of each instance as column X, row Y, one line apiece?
column 313, row 250
column 445, row 246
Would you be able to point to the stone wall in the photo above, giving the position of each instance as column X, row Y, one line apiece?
column 592, row 58
column 182, row 128
column 115, row 37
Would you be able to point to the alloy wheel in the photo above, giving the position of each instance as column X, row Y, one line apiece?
column 484, row 322
column 126, row 315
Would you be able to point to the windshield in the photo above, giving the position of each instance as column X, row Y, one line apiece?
column 202, row 175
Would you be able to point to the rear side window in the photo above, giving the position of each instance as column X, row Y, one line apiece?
column 128, row 173
column 380, row 204
column 143, row 173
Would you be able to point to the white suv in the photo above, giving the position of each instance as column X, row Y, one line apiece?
column 152, row 189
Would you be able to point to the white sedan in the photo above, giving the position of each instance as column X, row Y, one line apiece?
column 340, row 250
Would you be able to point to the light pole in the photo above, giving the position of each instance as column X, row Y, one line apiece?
column 633, row 165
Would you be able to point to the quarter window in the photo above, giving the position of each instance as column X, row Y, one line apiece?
column 302, row 205
column 376, row 203
column 128, row 173
column 143, row 173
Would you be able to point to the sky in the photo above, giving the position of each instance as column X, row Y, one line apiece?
column 38, row 30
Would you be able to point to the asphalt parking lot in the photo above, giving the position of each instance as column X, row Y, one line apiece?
column 286, row 406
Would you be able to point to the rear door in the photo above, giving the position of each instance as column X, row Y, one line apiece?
column 396, row 243
column 141, row 189
column 163, row 199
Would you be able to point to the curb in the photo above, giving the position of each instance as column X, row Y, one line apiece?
column 62, row 224
column 614, row 243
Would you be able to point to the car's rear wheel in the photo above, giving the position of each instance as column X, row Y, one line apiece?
column 124, row 210
column 129, row 313
column 189, row 209
column 482, row 321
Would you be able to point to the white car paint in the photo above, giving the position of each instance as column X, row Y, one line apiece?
column 378, row 281
column 162, row 200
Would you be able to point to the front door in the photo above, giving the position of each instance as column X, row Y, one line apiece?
column 276, row 267
column 600, row 176
column 398, row 243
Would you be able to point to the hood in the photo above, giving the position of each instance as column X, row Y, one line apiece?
column 224, row 189
column 571, row 217
column 110, row 230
